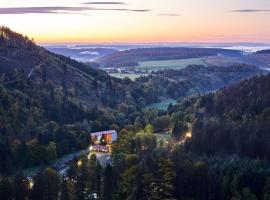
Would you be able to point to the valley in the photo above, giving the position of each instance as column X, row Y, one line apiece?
column 186, row 119
column 134, row 100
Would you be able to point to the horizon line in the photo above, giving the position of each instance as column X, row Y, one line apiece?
column 148, row 43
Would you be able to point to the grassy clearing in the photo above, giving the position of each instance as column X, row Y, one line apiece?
column 162, row 105
column 165, row 137
column 170, row 64
column 130, row 76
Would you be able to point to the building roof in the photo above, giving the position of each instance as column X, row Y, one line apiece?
column 103, row 133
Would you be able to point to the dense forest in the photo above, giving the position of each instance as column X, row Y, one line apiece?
column 153, row 174
column 38, row 125
column 232, row 121
column 143, row 168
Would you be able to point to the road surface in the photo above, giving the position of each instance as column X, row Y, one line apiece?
column 62, row 164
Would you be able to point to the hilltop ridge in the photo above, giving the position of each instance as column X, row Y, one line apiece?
column 131, row 58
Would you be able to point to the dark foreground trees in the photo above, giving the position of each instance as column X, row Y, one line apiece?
column 157, row 173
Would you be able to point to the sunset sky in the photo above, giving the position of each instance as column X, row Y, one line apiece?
column 133, row 21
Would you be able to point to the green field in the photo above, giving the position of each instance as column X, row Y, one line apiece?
column 162, row 105
column 170, row 64
column 165, row 137
column 122, row 76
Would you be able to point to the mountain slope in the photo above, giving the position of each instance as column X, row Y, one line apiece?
column 18, row 52
column 267, row 51
column 93, row 87
column 235, row 120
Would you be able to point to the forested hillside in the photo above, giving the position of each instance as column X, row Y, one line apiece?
column 232, row 121
column 198, row 79
column 49, row 102
column 203, row 168
column 130, row 58
column 263, row 51
column 93, row 87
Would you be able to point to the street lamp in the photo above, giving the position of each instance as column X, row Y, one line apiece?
column 188, row 135
column 79, row 163
column 31, row 184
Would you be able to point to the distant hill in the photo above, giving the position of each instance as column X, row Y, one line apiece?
column 92, row 64
column 199, row 79
column 132, row 57
column 267, row 51
column 82, row 53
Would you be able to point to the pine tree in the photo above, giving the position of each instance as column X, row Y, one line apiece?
column 64, row 191
column 5, row 189
column 108, row 183
column 266, row 195
column 20, row 187
column 46, row 185
column 168, row 176
column 67, row 190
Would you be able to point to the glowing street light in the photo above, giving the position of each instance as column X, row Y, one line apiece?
column 79, row 163
column 31, row 184
column 188, row 135
column 90, row 148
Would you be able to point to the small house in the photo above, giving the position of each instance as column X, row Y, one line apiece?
column 103, row 137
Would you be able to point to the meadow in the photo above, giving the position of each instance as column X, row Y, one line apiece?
column 162, row 105
column 170, row 64
column 163, row 137
column 130, row 76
